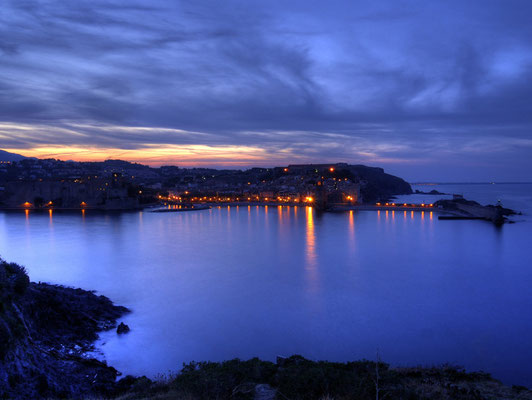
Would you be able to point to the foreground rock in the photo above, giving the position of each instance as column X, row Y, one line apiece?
column 45, row 333
column 122, row 328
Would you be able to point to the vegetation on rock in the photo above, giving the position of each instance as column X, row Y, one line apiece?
column 45, row 333
column 296, row 378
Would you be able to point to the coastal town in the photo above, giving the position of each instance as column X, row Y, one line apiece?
column 115, row 185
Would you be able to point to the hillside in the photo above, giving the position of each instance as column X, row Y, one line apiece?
column 7, row 156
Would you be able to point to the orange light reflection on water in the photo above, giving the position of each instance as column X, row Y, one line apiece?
column 311, row 258
column 351, row 229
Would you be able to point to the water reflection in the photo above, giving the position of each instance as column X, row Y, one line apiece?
column 351, row 231
column 325, row 286
column 311, row 259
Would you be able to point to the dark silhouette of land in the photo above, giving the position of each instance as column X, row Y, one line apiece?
column 116, row 184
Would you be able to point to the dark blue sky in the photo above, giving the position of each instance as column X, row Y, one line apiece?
column 429, row 90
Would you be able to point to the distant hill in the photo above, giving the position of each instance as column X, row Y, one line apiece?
column 7, row 156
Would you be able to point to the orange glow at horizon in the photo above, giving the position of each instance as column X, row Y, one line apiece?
column 185, row 155
column 78, row 140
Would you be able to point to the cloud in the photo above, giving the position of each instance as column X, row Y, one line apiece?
column 390, row 82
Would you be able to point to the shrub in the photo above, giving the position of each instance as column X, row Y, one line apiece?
column 210, row 380
column 305, row 379
column 13, row 279
column 21, row 282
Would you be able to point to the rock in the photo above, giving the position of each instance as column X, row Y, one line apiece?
column 433, row 192
column 44, row 332
column 264, row 392
column 292, row 360
column 122, row 328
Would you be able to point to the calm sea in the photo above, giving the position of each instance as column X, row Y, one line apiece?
column 268, row 281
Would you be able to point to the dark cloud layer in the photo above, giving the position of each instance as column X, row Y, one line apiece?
column 409, row 84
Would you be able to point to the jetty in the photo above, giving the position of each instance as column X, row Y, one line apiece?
column 181, row 208
column 461, row 209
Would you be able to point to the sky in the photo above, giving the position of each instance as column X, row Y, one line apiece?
column 428, row 90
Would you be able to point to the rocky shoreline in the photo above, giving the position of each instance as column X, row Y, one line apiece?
column 47, row 333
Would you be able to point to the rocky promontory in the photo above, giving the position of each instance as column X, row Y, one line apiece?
column 46, row 332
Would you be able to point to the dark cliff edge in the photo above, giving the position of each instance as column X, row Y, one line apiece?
column 46, row 330
column 45, row 333
column 376, row 185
